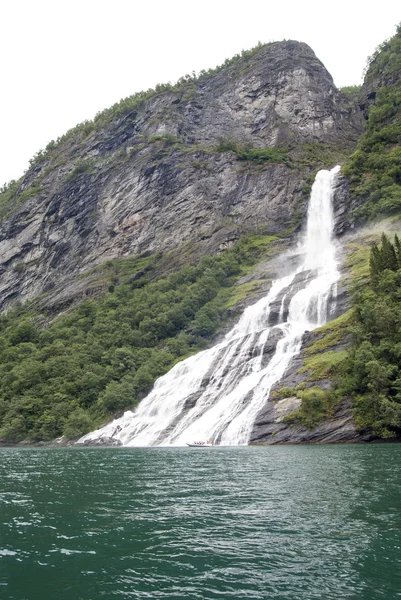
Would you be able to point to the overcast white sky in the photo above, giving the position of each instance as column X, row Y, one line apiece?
column 64, row 60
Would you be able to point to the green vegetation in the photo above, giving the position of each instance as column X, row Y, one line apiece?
column 257, row 155
column 103, row 357
column 319, row 363
column 8, row 194
column 11, row 196
column 369, row 372
column 375, row 167
column 331, row 334
column 313, row 155
column 352, row 92
column 242, row 291
column 81, row 167
column 358, row 260
column 323, row 366
column 317, row 404
column 386, row 59
column 372, row 374
column 317, row 155
column 166, row 140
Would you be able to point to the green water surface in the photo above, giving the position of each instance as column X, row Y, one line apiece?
column 282, row 523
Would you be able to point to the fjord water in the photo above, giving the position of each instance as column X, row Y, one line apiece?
column 277, row 523
column 218, row 393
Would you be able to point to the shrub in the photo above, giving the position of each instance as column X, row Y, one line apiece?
column 315, row 406
column 257, row 155
column 78, row 423
column 81, row 167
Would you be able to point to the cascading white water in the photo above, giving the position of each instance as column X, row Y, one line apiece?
column 216, row 394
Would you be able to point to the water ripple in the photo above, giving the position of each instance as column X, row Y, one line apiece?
column 296, row 523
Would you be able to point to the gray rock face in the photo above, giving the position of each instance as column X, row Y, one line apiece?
column 271, row 430
column 135, row 193
column 344, row 205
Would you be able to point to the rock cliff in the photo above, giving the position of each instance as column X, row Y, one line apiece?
column 164, row 175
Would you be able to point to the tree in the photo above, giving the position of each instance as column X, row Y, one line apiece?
column 388, row 255
column 78, row 423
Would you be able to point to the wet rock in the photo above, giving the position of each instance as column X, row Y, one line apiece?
column 270, row 429
column 344, row 207
column 101, row 441
column 279, row 308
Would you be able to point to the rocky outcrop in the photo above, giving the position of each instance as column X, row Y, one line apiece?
column 345, row 205
column 102, row 441
column 339, row 428
column 269, row 427
column 154, row 180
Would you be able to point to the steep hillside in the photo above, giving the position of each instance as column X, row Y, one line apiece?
column 374, row 170
column 195, row 164
column 96, row 238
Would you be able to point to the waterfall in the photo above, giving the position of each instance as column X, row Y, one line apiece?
column 217, row 394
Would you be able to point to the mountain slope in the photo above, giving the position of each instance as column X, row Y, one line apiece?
column 186, row 166
column 114, row 212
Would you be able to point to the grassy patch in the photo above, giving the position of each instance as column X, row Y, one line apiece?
column 258, row 246
column 11, row 197
column 284, row 392
column 317, row 155
column 242, row 291
column 358, row 251
column 165, row 140
column 257, row 155
column 323, row 366
column 122, row 270
column 81, row 167
column 332, row 333
column 358, row 257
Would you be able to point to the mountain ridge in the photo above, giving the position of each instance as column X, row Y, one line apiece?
column 124, row 192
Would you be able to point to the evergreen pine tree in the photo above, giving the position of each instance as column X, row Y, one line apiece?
column 388, row 255
column 397, row 246
column 375, row 264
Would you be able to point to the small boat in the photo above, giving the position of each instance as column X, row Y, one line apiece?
column 200, row 444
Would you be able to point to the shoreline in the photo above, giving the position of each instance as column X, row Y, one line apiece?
column 72, row 444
